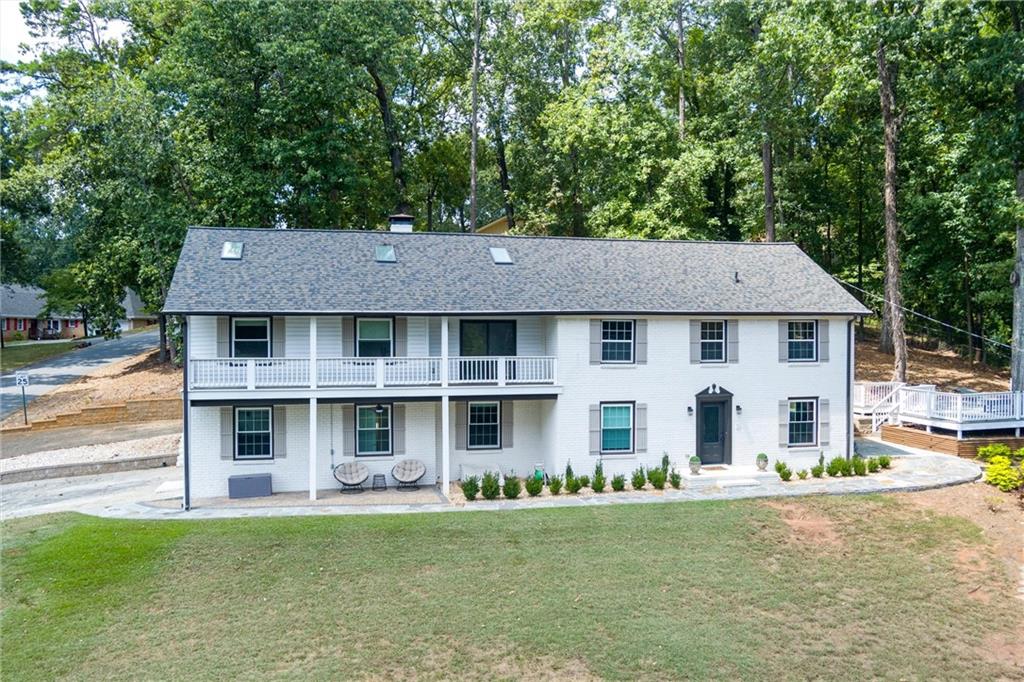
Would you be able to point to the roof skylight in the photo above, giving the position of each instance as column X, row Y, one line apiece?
column 500, row 256
column 385, row 253
column 232, row 251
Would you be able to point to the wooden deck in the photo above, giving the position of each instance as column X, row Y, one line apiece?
column 946, row 443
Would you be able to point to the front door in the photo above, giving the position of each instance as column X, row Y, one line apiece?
column 712, row 430
column 488, row 338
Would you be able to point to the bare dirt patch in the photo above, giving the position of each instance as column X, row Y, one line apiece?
column 135, row 378
column 807, row 525
column 943, row 368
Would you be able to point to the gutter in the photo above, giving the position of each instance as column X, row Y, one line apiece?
column 850, row 343
column 186, row 501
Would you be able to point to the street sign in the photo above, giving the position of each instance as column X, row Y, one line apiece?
column 20, row 379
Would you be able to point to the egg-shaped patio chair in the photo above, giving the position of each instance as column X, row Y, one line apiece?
column 408, row 472
column 351, row 476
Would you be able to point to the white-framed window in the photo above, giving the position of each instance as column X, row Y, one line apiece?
column 803, row 340
column 53, row 325
column 254, row 433
column 616, row 427
column 712, row 341
column 374, row 337
column 617, row 341
column 21, row 324
column 373, row 430
column 803, row 421
column 484, row 424
column 250, row 337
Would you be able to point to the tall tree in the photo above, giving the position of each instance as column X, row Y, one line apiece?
column 1017, row 335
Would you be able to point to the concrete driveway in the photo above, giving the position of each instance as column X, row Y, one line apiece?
column 48, row 374
column 89, row 494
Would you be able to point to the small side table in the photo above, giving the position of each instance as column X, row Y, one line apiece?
column 379, row 482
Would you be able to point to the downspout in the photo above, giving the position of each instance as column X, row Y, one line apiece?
column 186, row 433
column 849, row 388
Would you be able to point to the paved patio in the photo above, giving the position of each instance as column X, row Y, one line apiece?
column 911, row 471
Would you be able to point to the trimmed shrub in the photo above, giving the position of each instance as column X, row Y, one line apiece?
column 884, row 461
column 513, row 486
column 599, row 480
column 657, row 478
column 859, row 466
column 779, row 466
column 555, row 484
column 489, row 486
column 664, row 463
column 785, row 474
column 1001, row 473
column 802, row 474
column 618, row 483
column 584, row 481
column 675, row 479
column 872, row 464
column 533, row 486
column 987, row 452
column 639, row 478
column 471, row 487
column 573, row 485
column 568, row 471
column 818, row 470
column 837, row 466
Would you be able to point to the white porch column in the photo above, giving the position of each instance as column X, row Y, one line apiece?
column 446, row 473
column 312, row 352
column 312, row 448
column 444, row 352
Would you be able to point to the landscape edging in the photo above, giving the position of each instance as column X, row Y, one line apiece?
column 89, row 468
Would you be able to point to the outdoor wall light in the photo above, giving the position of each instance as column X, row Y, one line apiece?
column 689, row 411
column 739, row 409
column 379, row 410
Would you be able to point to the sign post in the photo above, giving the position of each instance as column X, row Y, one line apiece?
column 21, row 379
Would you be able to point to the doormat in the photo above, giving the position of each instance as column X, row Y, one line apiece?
column 714, row 467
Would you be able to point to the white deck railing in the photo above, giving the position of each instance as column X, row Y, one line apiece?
column 254, row 373
column 925, row 405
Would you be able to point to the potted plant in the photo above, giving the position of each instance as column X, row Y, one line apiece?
column 695, row 465
column 762, row 461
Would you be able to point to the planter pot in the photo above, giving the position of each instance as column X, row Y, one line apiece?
column 762, row 463
column 694, row 467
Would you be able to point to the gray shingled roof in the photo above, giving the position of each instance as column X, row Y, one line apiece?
column 335, row 272
column 133, row 306
column 17, row 300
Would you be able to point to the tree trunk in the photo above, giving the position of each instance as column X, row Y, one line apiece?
column 475, row 105
column 391, row 134
column 681, row 61
column 1017, row 336
column 769, row 188
column 506, row 185
column 893, row 333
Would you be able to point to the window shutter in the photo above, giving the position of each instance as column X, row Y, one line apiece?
column 507, row 407
column 277, row 337
column 348, row 430
column 823, row 340
column 224, row 337
column 641, row 341
column 461, row 425
column 280, row 426
column 595, row 430
column 732, row 335
column 823, row 427
column 398, row 429
column 694, row 341
column 401, row 337
column 784, row 342
column 641, row 427
column 783, row 423
column 595, row 342
column 227, row 433
column 348, row 337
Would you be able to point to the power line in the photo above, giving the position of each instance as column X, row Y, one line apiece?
column 926, row 317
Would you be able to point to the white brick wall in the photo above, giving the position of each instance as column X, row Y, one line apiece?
column 528, row 444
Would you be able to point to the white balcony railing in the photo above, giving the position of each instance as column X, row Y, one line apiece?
column 891, row 402
column 254, row 373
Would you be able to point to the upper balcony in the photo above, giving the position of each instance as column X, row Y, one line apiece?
column 385, row 372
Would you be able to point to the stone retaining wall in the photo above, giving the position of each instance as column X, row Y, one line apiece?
column 149, row 409
column 89, row 468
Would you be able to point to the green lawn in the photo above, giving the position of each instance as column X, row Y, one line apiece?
column 705, row 590
column 18, row 355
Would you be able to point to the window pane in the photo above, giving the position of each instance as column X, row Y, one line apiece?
column 711, row 351
column 251, row 349
column 375, row 330
column 252, row 438
column 483, row 425
column 615, row 439
column 374, row 349
column 617, row 341
column 801, row 422
column 251, row 329
column 616, row 427
column 801, row 340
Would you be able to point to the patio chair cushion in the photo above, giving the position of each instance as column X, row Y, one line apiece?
column 351, row 473
column 409, row 471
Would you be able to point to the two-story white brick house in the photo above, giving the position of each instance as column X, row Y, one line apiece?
column 309, row 348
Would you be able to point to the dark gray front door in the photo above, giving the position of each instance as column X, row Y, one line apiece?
column 712, row 429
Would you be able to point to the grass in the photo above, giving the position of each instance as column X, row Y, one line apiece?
column 15, row 355
column 696, row 590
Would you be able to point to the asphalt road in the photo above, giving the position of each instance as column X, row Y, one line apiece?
column 48, row 374
column 88, row 493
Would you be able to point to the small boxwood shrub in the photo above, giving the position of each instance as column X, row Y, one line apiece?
column 675, row 479
column 664, row 463
column 471, row 487
column 618, row 483
column 513, row 486
column 638, row 479
column 872, row 464
column 1002, row 474
column 802, row 474
column 987, row 452
column 837, row 466
column 599, row 480
column 884, row 461
column 489, row 486
column 859, row 466
column 555, row 484
column 785, row 474
column 573, row 485
column 534, row 486
column 584, row 481
column 818, row 470
column 657, row 478
column 779, row 466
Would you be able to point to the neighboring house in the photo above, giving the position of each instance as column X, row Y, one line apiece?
column 499, row 226
column 135, row 314
column 21, row 316
column 310, row 348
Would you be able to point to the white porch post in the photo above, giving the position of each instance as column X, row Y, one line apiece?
column 312, row 449
column 312, row 352
column 446, row 473
column 444, row 352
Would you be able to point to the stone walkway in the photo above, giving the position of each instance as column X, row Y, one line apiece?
column 911, row 471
